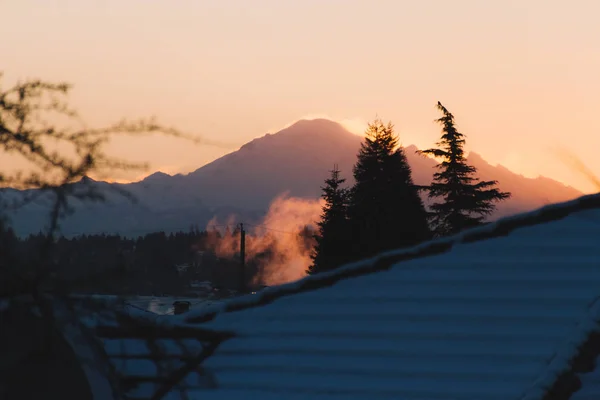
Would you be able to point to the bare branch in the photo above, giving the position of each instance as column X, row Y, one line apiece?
column 38, row 126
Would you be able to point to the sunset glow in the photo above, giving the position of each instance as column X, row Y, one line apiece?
column 520, row 76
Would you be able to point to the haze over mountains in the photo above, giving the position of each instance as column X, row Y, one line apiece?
column 295, row 160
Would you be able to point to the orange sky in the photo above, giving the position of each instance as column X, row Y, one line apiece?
column 521, row 76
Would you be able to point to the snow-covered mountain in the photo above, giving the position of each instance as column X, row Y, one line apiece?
column 295, row 160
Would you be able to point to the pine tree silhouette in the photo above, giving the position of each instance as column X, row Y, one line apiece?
column 466, row 200
column 331, row 245
column 385, row 209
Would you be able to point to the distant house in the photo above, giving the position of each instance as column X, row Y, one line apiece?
column 506, row 311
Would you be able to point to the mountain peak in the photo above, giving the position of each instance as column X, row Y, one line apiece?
column 302, row 133
column 296, row 161
column 319, row 126
column 322, row 122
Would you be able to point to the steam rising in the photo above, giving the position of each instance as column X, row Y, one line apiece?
column 278, row 234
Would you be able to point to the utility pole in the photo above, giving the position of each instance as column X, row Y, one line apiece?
column 242, row 258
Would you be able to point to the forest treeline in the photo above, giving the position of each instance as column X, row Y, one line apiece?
column 153, row 264
column 383, row 210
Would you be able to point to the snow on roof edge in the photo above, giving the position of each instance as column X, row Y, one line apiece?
column 386, row 259
column 560, row 363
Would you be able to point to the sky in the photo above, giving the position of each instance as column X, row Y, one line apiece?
column 521, row 76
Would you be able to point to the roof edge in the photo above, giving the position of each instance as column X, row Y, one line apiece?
column 559, row 376
column 386, row 260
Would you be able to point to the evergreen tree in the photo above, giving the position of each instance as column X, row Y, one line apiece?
column 466, row 200
column 331, row 248
column 385, row 209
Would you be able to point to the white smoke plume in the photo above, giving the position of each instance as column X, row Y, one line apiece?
column 277, row 234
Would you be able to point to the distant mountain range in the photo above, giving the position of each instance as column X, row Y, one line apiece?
column 295, row 160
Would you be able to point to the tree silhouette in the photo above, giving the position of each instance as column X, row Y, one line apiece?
column 59, row 151
column 385, row 209
column 466, row 200
column 330, row 250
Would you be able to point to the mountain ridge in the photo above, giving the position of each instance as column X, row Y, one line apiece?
column 295, row 160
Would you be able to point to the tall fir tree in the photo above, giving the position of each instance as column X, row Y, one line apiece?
column 385, row 210
column 331, row 245
column 466, row 201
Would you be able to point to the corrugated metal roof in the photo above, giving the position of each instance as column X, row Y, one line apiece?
column 494, row 319
column 149, row 361
column 497, row 312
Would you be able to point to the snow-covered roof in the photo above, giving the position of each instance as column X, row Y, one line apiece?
column 143, row 358
column 505, row 311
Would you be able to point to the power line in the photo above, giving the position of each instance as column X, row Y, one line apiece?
column 256, row 226
column 274, row 230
